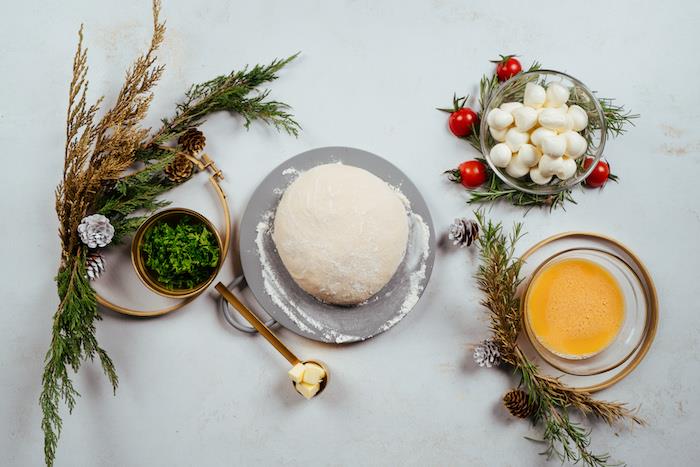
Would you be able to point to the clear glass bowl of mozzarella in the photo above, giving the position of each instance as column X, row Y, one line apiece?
column 539, row 128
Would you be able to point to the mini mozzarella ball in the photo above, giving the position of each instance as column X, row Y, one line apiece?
column 567, row 169
column 579, row 117
column 539, row 134
column 516, row 138
column 556, row 95
column 516, row 169
column 499, row 119
column 550, row 165
column 576, row 144
column 535, row 95
column 554, row 146
column 498, row 135
column 500, row 155
column 528, row 155
column 569, row 123
column 537, row 176
column 525, row 118
column 553, row 119
column 510, row 106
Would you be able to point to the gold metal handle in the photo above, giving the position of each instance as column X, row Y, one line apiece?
column 257, row 324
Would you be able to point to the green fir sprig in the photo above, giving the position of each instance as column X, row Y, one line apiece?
column 498, row 278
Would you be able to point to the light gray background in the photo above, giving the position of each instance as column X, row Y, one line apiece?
column 194, row 392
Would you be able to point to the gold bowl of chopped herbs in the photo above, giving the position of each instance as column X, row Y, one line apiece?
column 177, row 252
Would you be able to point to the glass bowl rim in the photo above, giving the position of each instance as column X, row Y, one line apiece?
column 543, row 189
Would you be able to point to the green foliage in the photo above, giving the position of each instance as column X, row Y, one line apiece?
column 180, row 256
column 231, row 93
column 73, row 341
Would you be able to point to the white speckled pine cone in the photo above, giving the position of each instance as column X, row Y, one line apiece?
column 96, row 231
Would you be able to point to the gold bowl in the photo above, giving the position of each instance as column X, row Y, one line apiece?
column 138, row 260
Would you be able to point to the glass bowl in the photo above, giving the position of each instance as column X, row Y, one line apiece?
column 513, row 90
column 631, row 332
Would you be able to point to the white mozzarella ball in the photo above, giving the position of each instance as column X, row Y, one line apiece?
column 556, row 95
column 498, row 135
column 576, row 144
column 525, row 118
column 535, row 95
column 537, row 176
column 554, row 146
column 516, row 138
column 579, row 117
column 499, row 119
column 550, row 165
column 500, row 155
column 539, row 134
column 554, row 119
column 516, row 169
column 528, row 155
column 569, row 123
column 510, row 106
column 567, row 169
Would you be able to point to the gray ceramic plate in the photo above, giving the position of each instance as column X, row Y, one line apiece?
column 298, row 311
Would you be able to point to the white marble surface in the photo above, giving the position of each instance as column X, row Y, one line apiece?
column 194, row 392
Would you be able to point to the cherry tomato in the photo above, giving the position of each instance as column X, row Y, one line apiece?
column 472, row 173
column 507, row 67
column 462, row 122
column 600, row 173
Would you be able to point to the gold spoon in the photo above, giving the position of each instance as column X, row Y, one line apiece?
column 267, row 334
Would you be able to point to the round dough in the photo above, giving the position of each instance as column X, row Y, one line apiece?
column 341, row 233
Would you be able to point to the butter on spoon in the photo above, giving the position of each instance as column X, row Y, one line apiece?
column 309, row 377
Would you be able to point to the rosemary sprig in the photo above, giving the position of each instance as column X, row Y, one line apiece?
column 97, row 154
column 498, row 277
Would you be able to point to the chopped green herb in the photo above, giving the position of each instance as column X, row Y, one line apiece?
column 182, row 255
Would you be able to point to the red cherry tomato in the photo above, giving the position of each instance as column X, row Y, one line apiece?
column 472, row 173
column 599, row 175
column 463, row 121
column 507, row 67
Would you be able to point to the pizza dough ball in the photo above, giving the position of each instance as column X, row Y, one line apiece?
column 341, row 232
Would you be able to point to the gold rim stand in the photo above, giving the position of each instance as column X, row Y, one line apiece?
column 204, row 162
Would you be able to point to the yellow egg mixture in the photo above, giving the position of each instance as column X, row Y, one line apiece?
column 575, row 307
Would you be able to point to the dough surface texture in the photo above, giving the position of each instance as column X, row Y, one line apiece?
column 341, row 232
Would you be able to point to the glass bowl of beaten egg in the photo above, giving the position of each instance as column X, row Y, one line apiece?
column 585, row 311
column 594, row 133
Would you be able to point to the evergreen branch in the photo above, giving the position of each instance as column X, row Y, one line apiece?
column 230, row 93
column 496, row 189
column 73, row 341
column 498, row 277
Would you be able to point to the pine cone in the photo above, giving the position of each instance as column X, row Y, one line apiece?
column 464, row 232
column 95, row 231
column 487, row 354
column 518, row 404
column 179, row 170
column 94, row 265
column 192, row 141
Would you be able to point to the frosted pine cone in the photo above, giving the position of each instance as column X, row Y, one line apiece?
column 95, row 231
column 464, row 232
column 94, row 265
column 487, row 354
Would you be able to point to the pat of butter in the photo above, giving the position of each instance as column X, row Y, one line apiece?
column 296, row 374
column 307, row 390
column 313, row 374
